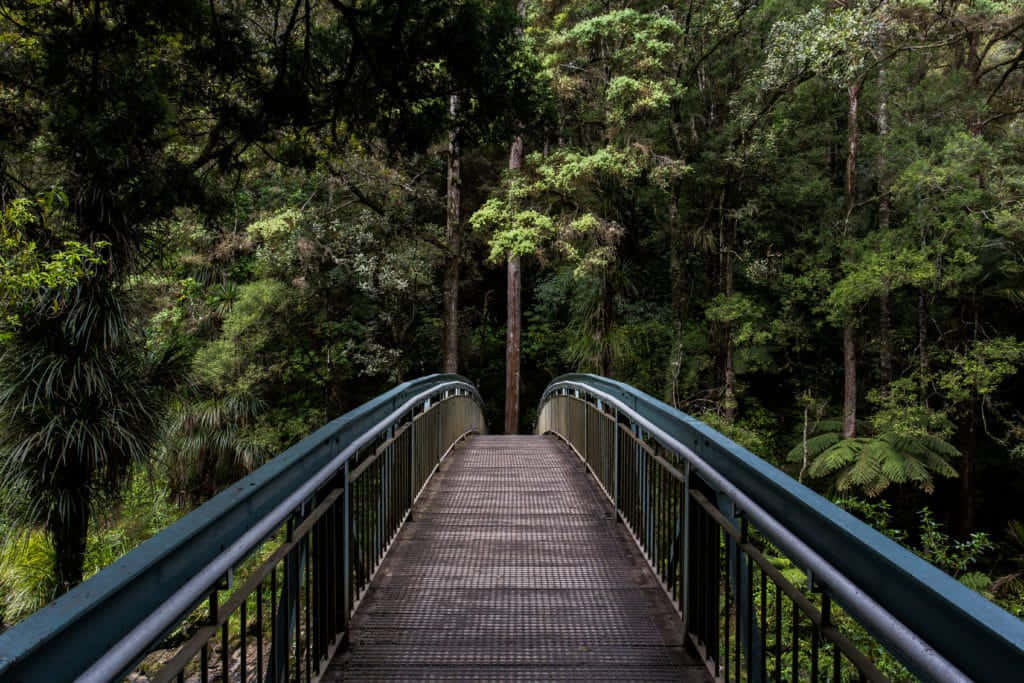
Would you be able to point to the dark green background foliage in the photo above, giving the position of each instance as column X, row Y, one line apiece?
column 224, row 223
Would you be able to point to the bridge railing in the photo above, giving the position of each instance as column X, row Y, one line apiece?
column 259, row 582
column 714, row 520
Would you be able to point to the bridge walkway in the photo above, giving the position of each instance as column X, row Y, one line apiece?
column 513, row 567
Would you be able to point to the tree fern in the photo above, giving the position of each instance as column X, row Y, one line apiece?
column 871, row 464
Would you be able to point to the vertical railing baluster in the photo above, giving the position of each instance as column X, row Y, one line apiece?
column 615, row 467
column 796, row 643
column 778, row 632
column 242, row 637
column 310, row 633
column 259, row 631
column 346, row 548
column 225, row 653
column 728, row 609
column 764, row 626
column 684, row 510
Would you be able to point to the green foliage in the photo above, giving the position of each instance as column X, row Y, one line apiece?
column 951, row 555
column 514, row 233
column 982, row 368
column 188, row 199
column 899, row 410
column 30, row 280
column 870, row 464
column 832, row 43
column 754, row 432
column 210, row 444
column 27, row 581
column 1010, row 586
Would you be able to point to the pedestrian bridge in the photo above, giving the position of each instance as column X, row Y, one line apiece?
column 624, row 541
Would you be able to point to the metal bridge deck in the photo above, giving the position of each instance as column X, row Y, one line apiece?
column 513, row 567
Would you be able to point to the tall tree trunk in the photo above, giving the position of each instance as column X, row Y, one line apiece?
column 884, row 205
column 454, row 237
column 884, row 217
column 849, row 382
column 515, row 316
column 922, row 326
column 885, row 341
column 730, row 371
column 679, row 299
column 852, row 140
column 849, row 343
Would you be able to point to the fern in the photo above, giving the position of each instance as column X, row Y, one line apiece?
column 873, row 463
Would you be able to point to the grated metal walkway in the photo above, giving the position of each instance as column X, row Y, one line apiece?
column 513, row 567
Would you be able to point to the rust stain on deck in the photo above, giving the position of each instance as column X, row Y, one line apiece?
column 513, row 568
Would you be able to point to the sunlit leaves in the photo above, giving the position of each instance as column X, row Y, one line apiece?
column 982, row 368
column 29, row 278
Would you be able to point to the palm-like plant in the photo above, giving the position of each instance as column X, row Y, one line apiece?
column 80, row 404
column 1013, row 583
column 80, row 396
column 209, row 445
column 873, row 463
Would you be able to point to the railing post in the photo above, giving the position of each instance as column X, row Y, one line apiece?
column 346, row 552
column 412, row 459
column 586, row 433
column 685, row 554
column 615, row 466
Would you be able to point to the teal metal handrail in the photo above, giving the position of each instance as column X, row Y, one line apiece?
column 105, row 626
column 937, row 627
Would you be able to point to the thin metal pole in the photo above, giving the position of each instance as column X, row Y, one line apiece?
column 346, row 549
column 412, row 460
column 685, row 555
column 615, row 457
column 586, row 431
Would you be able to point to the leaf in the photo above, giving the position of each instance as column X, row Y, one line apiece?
column 815, row 446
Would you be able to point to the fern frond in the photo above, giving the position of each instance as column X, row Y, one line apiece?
column 815, row 446
column 896, row 467
column 829, row 424
column 916, row 472
column 938, row 464
column 867, row 467
column 835, row 457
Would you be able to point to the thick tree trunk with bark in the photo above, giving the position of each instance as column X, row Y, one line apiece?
column 69, row 535
column 454, row 237
column 514, row 323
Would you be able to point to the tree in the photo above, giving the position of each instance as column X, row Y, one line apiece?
column 82, row 397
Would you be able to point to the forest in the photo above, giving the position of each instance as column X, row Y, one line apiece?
column 225, row 222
